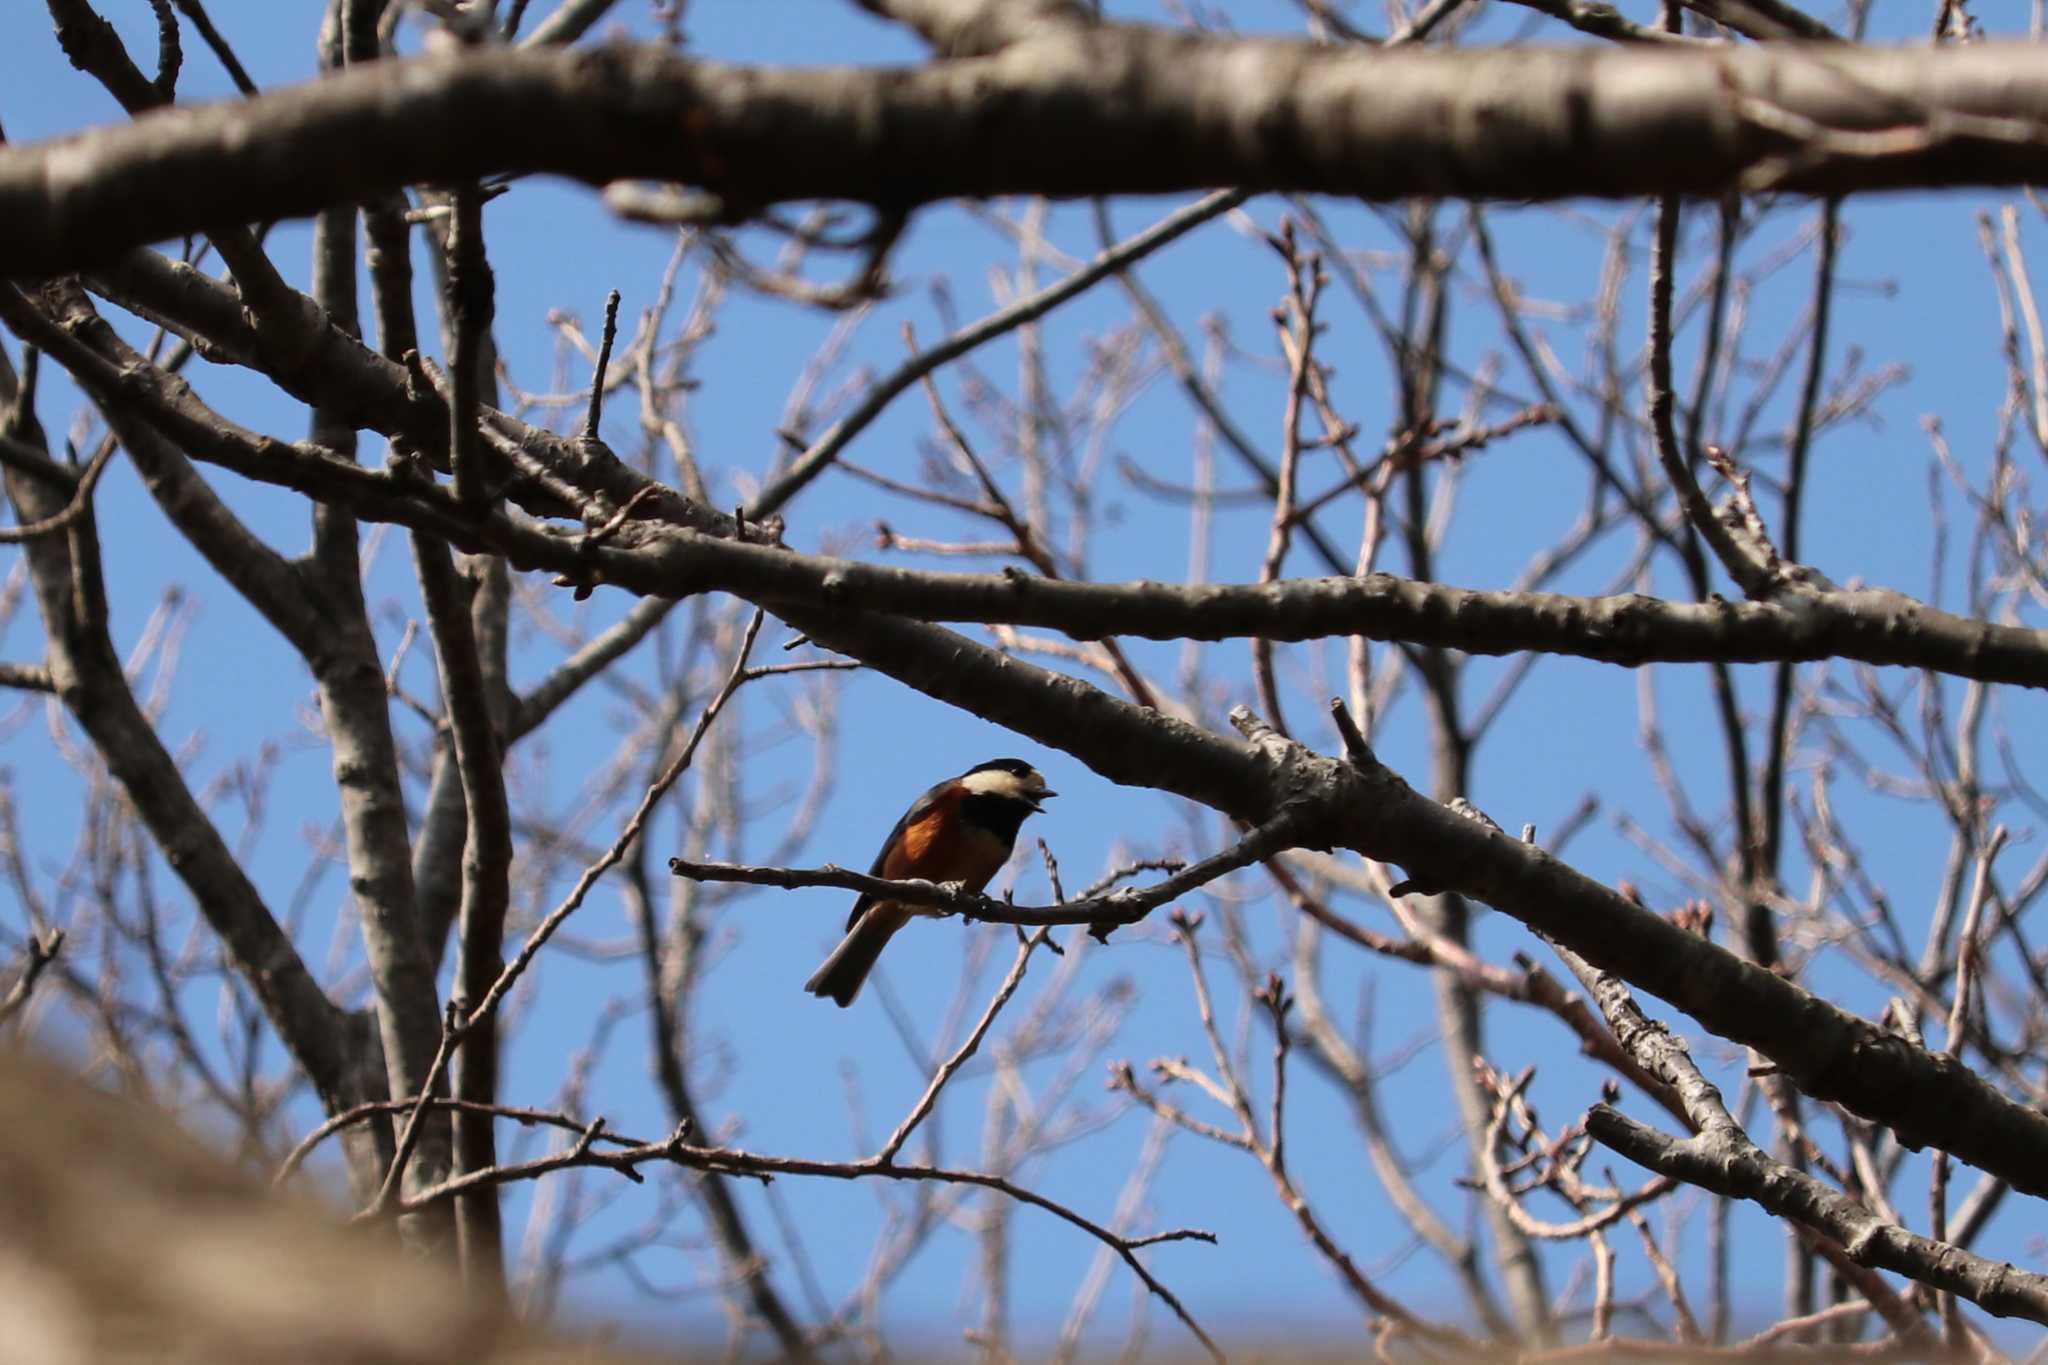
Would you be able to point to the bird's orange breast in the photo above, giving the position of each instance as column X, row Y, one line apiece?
column 939, row 846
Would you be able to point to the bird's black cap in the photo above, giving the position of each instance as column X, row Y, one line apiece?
column 1015, row 767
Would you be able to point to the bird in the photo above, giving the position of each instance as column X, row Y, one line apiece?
column 960, row 831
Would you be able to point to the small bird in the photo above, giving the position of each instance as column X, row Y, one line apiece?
column 959, row 831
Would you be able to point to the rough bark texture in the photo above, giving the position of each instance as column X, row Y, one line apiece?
column 1067, row 113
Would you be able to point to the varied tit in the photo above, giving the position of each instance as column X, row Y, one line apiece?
column 959, row 831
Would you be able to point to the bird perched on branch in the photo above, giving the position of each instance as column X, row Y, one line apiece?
column 960, row 831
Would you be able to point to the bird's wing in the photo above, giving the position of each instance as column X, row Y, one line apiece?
column 920, row 810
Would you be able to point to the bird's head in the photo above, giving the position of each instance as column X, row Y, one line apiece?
column 1009, row 778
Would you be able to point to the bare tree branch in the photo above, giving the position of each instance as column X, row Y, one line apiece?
column 87, row 676
column 1375, row 125
column 1722, row 1158
column 486, row 872
column 1126, row 905
column 732, row 1161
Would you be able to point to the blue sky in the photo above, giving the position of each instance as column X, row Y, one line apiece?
column 1920, row 295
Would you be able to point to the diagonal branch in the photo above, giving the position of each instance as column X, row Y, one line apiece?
column 259, row 573
column 820, row 454
column 1720, row 1157
column 951, row 1066
column 1826, row 1051
column 86, row 674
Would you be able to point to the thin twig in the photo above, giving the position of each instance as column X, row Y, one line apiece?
column 1739, row 560
column 452, row 1029
column 604, row 360
column 951, row 1066
column 1296, row 322
column 732, row 1161
column 194, row 11
column 1967, row 967
column 1426, row 21
column 362, row 1113
column 815, row 460
column 547, row 927
column 80, row 504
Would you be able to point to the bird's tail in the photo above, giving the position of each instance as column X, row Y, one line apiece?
column 841, row 976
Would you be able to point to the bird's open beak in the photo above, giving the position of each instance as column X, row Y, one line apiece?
column 1041, row 794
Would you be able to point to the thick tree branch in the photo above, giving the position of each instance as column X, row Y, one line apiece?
column 1927, row 1099
column 486, row 887
column 1721, row 1157
column 469, row 304
column 1829, row 1053
column 328, row 366
column 263, row 576
column 1872, row 625
column 1068, row 112
column 1826, row 1051
column 329, row 626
